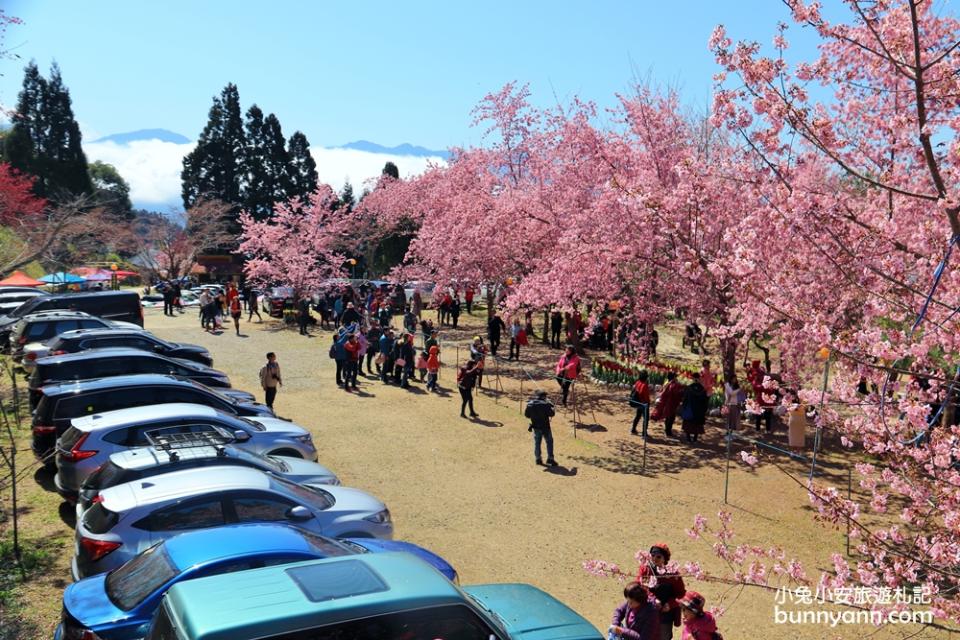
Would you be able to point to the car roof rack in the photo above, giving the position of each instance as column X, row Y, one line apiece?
column 171, row 442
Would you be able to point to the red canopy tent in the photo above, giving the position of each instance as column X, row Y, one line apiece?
column 20, row 279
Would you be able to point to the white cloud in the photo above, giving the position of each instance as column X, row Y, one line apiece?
column 152, row 168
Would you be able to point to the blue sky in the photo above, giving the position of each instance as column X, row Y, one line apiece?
column 390, row 72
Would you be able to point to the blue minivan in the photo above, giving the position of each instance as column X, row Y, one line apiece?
column 387, row 596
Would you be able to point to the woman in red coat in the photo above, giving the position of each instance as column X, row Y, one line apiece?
column 668, row 403
column 665, row 585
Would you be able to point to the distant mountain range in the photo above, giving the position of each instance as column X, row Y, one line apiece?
column 164, row 135
column 404, row 149
column 145, row 134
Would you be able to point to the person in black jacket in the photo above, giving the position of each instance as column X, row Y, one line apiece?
column 494, row 328
column 540, row 410
column 303, row 314
column 693, row 409
column 350, row 315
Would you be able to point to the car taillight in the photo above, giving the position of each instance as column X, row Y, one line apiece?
column 96, row 549
column 58, row 352
column 72, row 630
column 97, row 499
column 31, row 356
column 76, row 453
column 43, row 429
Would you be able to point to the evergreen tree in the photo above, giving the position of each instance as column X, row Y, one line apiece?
column 111, row 190
column 215, row 168
column 45, row 140
column 347, row 201
column 391, row 170
column 279, row 185
column 256, row 196
column 303, row 168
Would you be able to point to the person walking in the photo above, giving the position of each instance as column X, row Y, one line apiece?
column 433, row 367
column 384, row 315
column 416, row 303
column 478, row 353
column 404, row 362
column 667, row 587
column 236, row 310
column 466, row 379
column 567, row 370
column 640, row 399
column 350, row 315
column 707, row 378
column 177, row 299
column 337, row 311
column 693, row 409
column 168, row 300
column 253, row 306
column 468, row 298
column 352, row 350
column 387, row 343
column 765, row 398
column 204, row 299
column 410, row 322
column 539, row 410
column 303, row 314
column 556, row 326
column 733, row 399
column 270, row 378
column 455, row 310
column 637, row 617
column 515, row 330
column 373, row 345
column 669, row 403
column 494, row 329
column 338, row 354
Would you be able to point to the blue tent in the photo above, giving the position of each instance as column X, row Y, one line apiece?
column 61, row 278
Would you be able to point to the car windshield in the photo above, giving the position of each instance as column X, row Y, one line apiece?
column 131, row 583
column 222, row 396
column 316, row 498
column 273, row 464
column 327, row 547
column 27, row 307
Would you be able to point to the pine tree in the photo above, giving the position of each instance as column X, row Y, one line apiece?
column 215, row 168
column 45, row 141
column 347, row 201
column 256, row 196
column 303, row 168
column 277, row 161
column 391, row 170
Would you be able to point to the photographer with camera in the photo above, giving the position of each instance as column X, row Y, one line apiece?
column 540, row 410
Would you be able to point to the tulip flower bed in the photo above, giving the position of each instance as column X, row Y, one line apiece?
column 623, row 372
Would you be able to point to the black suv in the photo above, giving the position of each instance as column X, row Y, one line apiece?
column 13, row 297
column 62, row 402
column 106, row 363
column 81, row 340
column 109, row 305
column 41, row 326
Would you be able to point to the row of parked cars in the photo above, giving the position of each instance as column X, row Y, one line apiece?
column 178, row 479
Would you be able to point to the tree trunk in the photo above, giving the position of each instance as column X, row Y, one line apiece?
column 546, row 327
column 490, row 310
column 728, row 358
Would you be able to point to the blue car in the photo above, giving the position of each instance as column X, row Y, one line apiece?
column 118, row 605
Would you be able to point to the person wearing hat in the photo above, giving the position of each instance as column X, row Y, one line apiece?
column 540, row 410
column 669, row 586
column 697, row 623
column 636, row 618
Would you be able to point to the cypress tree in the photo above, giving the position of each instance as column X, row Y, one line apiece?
column 303, row 168
column 215, row 168
column 279, row 184
column 347, row 201
column 391, row 170
column 45, row 140
column 256, row 196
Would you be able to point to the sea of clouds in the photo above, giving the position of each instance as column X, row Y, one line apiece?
column 152, row 168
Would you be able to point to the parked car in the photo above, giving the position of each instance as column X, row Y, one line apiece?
column 63, row 401
column 119, row 605
column 12, row 297
column 44, row 325
column 100, row 338
column 106, row 363
column 110, row 305
column 91, row 441
column 131, row 517
column 276, row 299
column 371, row 597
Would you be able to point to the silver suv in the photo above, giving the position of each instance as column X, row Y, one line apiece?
column 131, row 517
column 175, row 452
column 91, row 440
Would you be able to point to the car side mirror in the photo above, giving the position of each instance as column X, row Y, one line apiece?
column 157, row 347
column 298, row 513
column 241, row 436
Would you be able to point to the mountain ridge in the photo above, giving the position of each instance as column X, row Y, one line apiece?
column 164, row 135
column 404, row 149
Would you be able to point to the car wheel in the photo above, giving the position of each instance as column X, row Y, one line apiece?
column 289, row 453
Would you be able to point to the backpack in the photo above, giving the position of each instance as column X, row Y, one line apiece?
column 333, row 351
